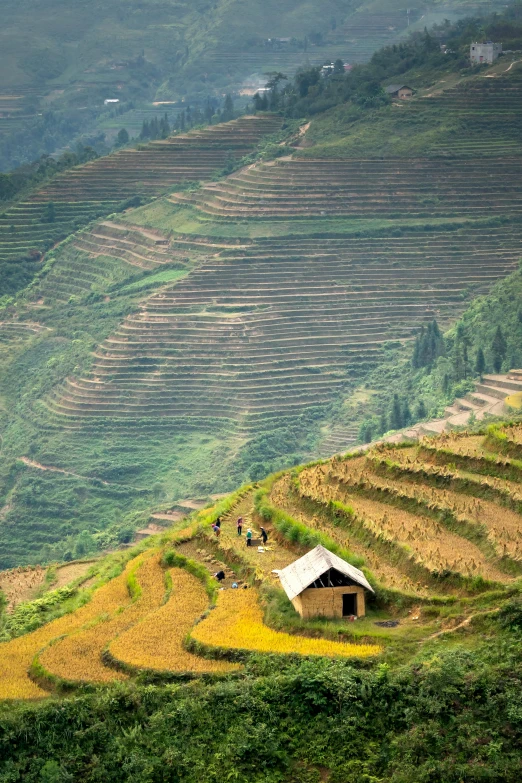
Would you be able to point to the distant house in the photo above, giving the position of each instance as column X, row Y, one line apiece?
column 401, row 91
column 322, row 584
column 484, row 52
column 109, row 101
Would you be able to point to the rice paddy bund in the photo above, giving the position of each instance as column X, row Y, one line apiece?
column 93, row 190
column 418, row 529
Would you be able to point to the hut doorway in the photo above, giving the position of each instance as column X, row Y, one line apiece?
column 349, row 604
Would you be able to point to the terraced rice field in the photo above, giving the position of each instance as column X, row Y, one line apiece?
column 409, row 520
column 488, row 111
column 416, row 539
column 97, row 188
column 420, row 188
column 157, row 642
column 354, row 41
column 78, row 656
column 237, row 624
column 266, row 329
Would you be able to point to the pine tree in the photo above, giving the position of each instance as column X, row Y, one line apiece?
column 154, row 128
column 228, row 109
column 480, row 362
column 429, row 345
column 383, row 423
column 145, row 130
column 498, row 349
column 420, row 412
column 406, row 414
column 396, row 413
column 164, row 127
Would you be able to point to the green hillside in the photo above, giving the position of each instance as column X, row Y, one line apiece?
column 236, row 324
column 123, row 672
column 61, row 60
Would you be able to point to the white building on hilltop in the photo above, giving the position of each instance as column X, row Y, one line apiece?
column 484, row 52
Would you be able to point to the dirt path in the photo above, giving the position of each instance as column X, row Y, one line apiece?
column 494, row 75
column 38, row 465
column 32, row 464
column 463, row 624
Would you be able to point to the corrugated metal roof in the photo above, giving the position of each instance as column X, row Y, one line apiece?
column 299, row 575
column 391, row 88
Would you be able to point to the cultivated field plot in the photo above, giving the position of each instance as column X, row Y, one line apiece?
column 417, row 541
column 97, row 188
column 395, row 506
column 237, row 623
column 265, row 329
column 423, row 188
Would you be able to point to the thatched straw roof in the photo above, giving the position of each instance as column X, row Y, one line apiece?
column 299, row 575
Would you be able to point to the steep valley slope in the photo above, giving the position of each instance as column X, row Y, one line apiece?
column 175, row 349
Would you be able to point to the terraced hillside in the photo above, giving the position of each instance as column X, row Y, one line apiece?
column 427, row 532
column 474, row 117
column 100, row 187
column 270, row 328
column 365, row 188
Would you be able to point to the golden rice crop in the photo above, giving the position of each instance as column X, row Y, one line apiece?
column 16, row 656
column 514, row 433
column 237, row 623
column 431, row 544
column 503, row 525
column 385, row 571
column 77, row 657
column 157, row 641
column 408, row 458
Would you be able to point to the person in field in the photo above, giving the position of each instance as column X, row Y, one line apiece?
column 264, row 535
column 249, row 537
column 239, row 525
column 219, row 576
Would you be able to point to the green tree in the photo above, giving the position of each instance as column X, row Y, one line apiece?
column 420, row 411
column 122, row 137
column 52, row 772
column 145, row 130
column 498, row 349
column 84, row 544
column 480, row 362
column 209, row 113
column 164, row 127
column 228, row 109
column 396, row 413
column 338, row 67
column 158, row 491
column 258, row 470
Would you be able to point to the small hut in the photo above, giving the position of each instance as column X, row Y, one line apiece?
column 322, row 584
column 401, row 91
